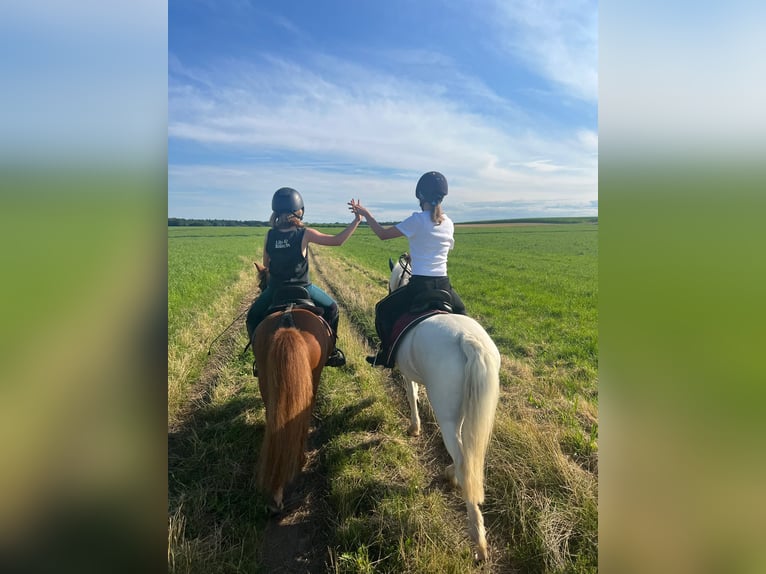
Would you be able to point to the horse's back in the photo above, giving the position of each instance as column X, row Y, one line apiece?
column 435, row 349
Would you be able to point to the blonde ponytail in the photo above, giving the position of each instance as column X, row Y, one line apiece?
column 285, row 220
column 436, row 214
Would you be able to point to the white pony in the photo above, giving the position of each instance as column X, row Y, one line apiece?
column 453, row 357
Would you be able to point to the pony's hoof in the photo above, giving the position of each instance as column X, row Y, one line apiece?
column 413, row 430
column 274, row 508
column 481, row 554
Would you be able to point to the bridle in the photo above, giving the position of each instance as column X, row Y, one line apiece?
column 404, row 263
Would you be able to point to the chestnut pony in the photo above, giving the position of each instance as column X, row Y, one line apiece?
column 290, row 348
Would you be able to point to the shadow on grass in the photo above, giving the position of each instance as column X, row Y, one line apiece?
column 212, row 459
column 211, row 462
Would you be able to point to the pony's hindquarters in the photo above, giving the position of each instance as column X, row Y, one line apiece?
column 288, row 393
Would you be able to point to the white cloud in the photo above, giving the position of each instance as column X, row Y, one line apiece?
column 544, row 165
column 556, row 39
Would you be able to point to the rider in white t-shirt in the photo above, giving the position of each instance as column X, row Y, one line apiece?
column 430, row 236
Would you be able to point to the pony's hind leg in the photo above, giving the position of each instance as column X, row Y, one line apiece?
column 412, row 396
column 453, row 472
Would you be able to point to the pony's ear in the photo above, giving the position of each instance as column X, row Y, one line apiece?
column 258, row 267
column 390, row 264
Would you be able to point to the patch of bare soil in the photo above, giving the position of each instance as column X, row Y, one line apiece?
column 294, row 542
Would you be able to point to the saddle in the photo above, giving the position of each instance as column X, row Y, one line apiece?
column 293, row 297
column 286, row 299
column 437, row 299
column 425, row 304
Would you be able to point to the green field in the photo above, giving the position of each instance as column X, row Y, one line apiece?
column 202, row 262
column 533, row 287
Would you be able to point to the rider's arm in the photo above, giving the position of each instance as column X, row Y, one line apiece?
column 383, row 232
column 314, row 236
column 377, row 228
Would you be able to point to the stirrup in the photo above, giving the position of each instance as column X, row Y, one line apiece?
column 336, row 358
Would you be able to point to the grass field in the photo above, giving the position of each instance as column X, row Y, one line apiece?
column 370, row 499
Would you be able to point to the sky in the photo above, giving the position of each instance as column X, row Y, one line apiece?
column 345, row 99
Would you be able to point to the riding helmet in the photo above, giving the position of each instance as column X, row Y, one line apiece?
column 432, row 187
column 286, row 200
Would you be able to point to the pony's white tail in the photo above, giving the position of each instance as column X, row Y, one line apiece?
column 480, row 396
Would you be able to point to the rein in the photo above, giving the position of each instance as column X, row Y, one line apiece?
column 263, row 281
column 404, row 263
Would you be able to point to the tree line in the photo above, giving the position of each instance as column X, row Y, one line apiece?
column 182, row 222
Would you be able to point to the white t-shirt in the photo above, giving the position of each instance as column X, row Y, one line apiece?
column 429, row 243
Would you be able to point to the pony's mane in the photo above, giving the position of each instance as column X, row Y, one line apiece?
column 263, row 277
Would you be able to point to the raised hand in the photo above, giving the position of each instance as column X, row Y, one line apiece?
column 356, row 208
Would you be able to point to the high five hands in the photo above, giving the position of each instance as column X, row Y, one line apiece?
column 356, row 208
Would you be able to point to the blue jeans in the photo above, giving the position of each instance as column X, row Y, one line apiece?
column 260, row 306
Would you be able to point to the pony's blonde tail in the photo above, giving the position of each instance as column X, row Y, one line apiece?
column 290, row 396
column 480, row 396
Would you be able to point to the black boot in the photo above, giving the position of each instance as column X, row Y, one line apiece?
column 250, row 344
column 336, row 358
column 379, row 359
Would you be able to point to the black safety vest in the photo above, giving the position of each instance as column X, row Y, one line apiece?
column 287, row 265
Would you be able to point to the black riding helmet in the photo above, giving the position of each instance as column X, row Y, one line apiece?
column 287, row 200
column 432, row 187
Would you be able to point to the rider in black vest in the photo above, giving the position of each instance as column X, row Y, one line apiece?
column 285, row 254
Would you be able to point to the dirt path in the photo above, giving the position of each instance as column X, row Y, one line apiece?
column 294, row 542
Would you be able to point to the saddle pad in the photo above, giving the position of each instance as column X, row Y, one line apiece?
column 402, row 327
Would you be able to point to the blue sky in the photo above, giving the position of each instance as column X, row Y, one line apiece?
column 343, row 99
